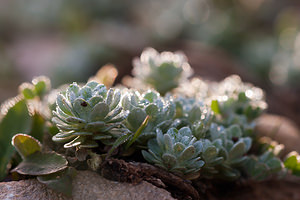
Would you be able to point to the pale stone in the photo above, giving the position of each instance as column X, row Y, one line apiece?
column 87, row 186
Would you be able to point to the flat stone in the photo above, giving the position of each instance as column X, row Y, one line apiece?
column 87, row 186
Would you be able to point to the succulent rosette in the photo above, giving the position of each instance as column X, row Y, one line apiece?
column 85, row 115
column 162, row 71
column 176, row 151
column 161, row 112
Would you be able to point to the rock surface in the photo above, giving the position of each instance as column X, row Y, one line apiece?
column 281, row 129
column 88, row 186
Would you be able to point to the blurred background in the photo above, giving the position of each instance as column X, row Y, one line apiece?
column 69, row 40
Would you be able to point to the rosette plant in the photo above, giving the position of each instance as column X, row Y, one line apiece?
column 177, row 151
column 87, row 114
column 163, row 72
column 185, row 129
column 160, row 111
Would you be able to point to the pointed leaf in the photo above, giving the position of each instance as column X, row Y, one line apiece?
column 116, row 100
column 118, row 142
column 138, row 132
column 63, row 104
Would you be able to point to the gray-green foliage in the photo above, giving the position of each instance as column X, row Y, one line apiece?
column 163, row 72
column 220, row 118
column 176, row 151
column 87, row 114
column 190, row 128
column 193, row 113
column 226, row 152
column 160, row 111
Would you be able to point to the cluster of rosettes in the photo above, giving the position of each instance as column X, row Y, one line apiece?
column 200, row 126
column 227, row 149
column 87, row 114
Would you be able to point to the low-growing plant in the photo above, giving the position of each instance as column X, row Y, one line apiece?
column 192, row 128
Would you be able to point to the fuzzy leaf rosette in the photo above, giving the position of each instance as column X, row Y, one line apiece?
column 161, row 112
column 85, row 115
column 176, row 151
column 162, row 71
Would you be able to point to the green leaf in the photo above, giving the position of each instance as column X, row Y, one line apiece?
column 237, row 151
column 28, row 93
column 195, row 114
column 116, row 100
column 178, row 147
column 60, row 181
column 242, row 97
column 274, row 164
column 16, row 120
column 41, row 85
column 99, row 112
column 187, row 154
column 26, row 145
column 118, row 142
column 149, row 157
column 138, row 132
column 292, row 162
column 151, row 110
column 37, row 127
column 215, row 107
column 169, row 160
column 40, row 163
column 168, row 143
column 136, row 118
column 210, row 153
column 82, row 108
column 234, row 131
column 63, row 104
